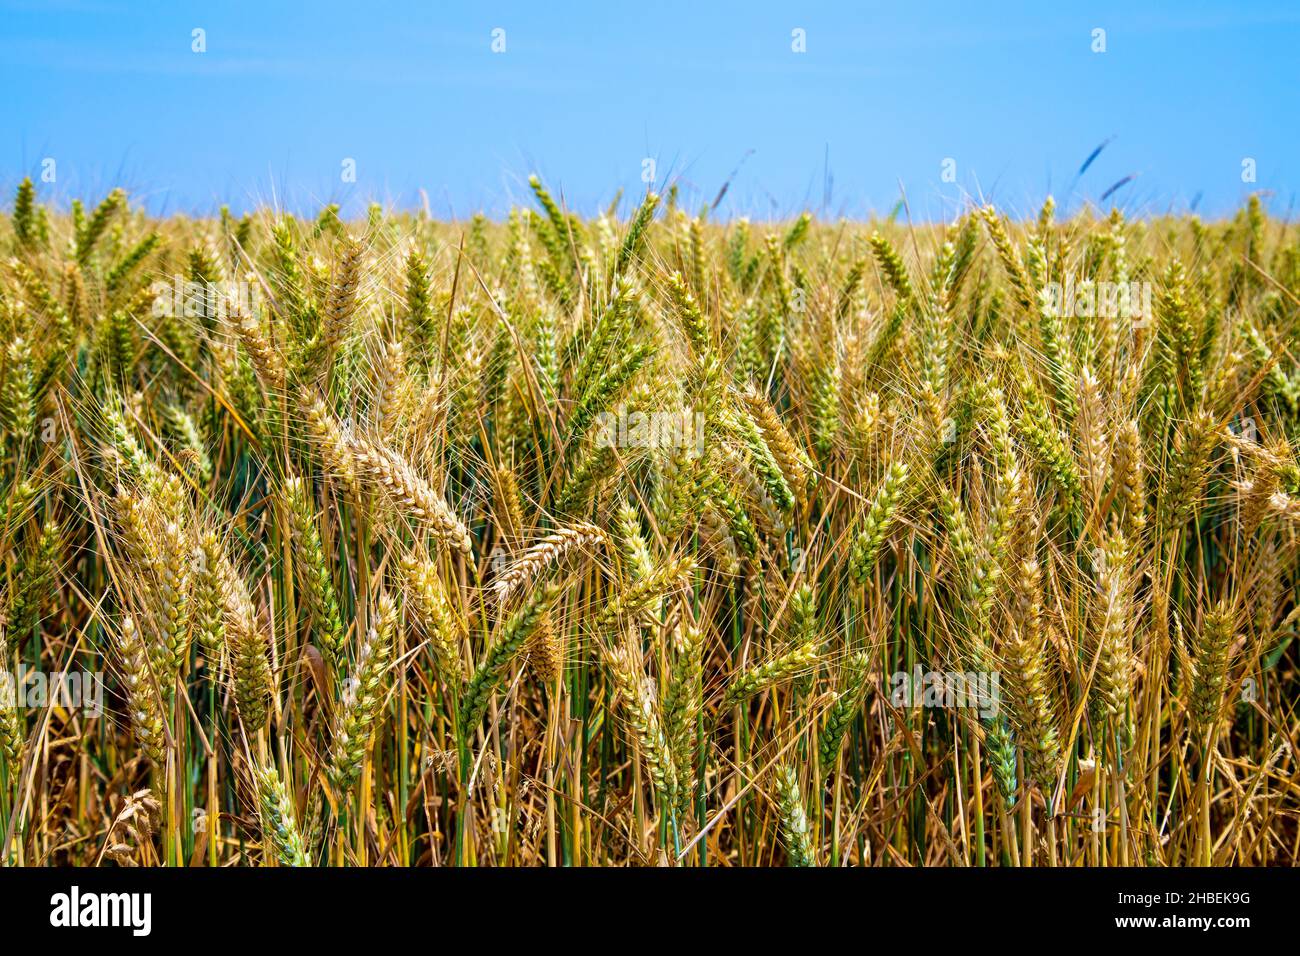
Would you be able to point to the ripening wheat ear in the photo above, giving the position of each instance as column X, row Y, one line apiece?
column 363, row 698
column 141, row 692
column 391, row 388
column 1034, row 709
column 331, row 445
column 643, row 714
column 683, row 702
column 1259, row 494
column 254, row 682
column 428, row 604
column 247, row 646
column 793, row 461
column 634, row 554
column 1113, row 680
column 172, row 587
column 1094, row 442
column 764, row 462
column 408, row 492
column 544, row 555
column 1005, row 520
column 693, row 322
column 1128, row 479
column 209, row 596
column 17, row 412
column 1211, row 656
column 264, row 354
column 343, row 295
column 126, row 448
column 644, row 593
column 1193, row 447
column 739, row 525
column 545, row 649
column 1010, row 258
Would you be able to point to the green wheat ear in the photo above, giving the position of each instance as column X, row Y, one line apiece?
column 315, row 574
column 891, row 263
column 774, row 671
column 89, row 235
column 279, row 825
column 35, row 584
column 692, row 320
column 797, row 232
column 683, row 703
column 556, row 237
column 17, row 393
column 134, row 257
column 24, row 218
column 795, row 829
column 849, row 694
column 636, row 233
column 764, row 462
column 1002, row 758
column 878, row 523
column 474, row 699
column 12, row 726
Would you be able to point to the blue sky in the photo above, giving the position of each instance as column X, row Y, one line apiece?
column 584, row 92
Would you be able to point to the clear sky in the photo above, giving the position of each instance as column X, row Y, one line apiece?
column 584, row 92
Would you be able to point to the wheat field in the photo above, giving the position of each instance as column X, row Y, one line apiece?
column 648, row 539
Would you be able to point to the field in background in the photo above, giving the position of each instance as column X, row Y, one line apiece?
column 648, row 540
